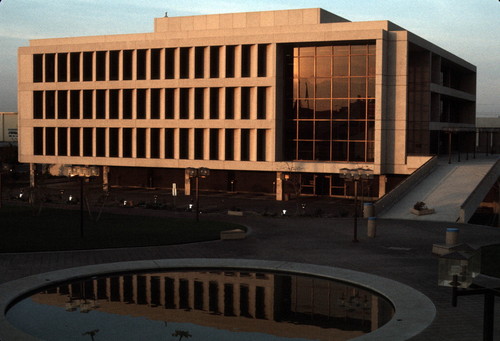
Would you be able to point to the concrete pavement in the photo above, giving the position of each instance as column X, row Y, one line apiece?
column 401, row 251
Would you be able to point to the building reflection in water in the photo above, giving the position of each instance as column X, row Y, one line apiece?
column 279, row 304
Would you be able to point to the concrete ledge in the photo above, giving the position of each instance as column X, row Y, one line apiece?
column 413, row 311
column 232, row 234
column 236, row 213
column 423, row 212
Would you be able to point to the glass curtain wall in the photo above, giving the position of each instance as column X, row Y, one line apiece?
column 331, row 108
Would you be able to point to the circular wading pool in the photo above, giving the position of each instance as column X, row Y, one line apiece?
column 211, row 299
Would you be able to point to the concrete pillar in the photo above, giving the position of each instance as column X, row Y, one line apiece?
column 279, row 186
column 187, row 183
column 368, row 210
column 382, row 182
column 105, row 178
column 32, row 175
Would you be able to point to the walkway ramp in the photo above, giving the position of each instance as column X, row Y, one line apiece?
column 454, row 191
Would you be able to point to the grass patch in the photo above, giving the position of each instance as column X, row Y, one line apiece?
column 59, row 229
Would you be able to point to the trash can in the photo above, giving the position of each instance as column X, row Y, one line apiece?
column 452, row 235
column 367, row 210
column 372, row 227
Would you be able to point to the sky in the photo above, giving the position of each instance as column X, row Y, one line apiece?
column 469, row 29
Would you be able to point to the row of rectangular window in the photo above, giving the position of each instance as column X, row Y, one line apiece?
column 342, row 151
column 152, row 143
column 169, row 103
column 346, row 87
column 157, row 63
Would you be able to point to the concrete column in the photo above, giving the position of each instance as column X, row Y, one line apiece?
column 253, row 144
column 191, row 144
column 206, row 62
column 206, row 144
column 237, row 61
column 107, row 67
column 134, row 142
column 105, row 178
column 191, row 104
column 206, row 296
column 279, row 186
column 191, row 62
column 162, row 63
column 382, row 181
column 206, row 103
column 120, row 142
column 222, row 144
column 177, row 298
column 120, row 66
column 187, row 184
column 177, row 58
column 134, row 104
column 237, row 144
column 148, row 143
column 237, row 103
column 148, row 64
column 176, row 143
column 94, row 66
column 148, row 104
column 177, row 101
column 134, row 64
column 222, row 62
column 253, row 60
column 253, row 102
column 32, row 175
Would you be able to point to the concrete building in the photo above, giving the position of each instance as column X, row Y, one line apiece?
column 8, row 127
column 262, row 99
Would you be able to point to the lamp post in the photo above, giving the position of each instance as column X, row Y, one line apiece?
column 356, row 175
column 197, row 173
column 83, row 172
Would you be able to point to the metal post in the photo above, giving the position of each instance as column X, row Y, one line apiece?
column 197, row 201
column 355, row 238
column 81, row 207
column 458, row 146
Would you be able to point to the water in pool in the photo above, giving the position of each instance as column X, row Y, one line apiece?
column 201, row 305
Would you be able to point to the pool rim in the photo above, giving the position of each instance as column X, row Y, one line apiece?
column 414, row 311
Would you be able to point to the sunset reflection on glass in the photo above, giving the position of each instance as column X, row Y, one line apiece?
column 202, row 305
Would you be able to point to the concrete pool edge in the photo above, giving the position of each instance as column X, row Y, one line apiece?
column 414, row 311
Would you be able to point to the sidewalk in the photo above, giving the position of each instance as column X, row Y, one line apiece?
column 401, row 251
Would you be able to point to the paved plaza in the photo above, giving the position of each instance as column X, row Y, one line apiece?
column 320, row 234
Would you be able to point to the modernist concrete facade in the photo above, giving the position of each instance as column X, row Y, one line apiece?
column 251, row 96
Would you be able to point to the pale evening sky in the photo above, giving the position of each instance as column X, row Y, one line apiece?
column 467, row 28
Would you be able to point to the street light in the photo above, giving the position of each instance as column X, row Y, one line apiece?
column 197, row 173
column 83, row 172
column 356, row 175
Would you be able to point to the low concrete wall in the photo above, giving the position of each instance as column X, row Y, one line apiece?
column 388, row 200
column 473, row 201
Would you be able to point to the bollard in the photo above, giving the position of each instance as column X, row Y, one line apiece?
column 367, row 210
column 452, row 236
column 372, row 227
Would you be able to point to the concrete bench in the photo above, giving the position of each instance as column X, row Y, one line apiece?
column 232, row 234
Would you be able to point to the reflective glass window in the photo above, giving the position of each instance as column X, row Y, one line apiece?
column 358, row 65
column 340, row 88
column 323, row 66
column 358, row 87
column 323, row 87
column 341, row 66
column 323, row 109
column 306, row 67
